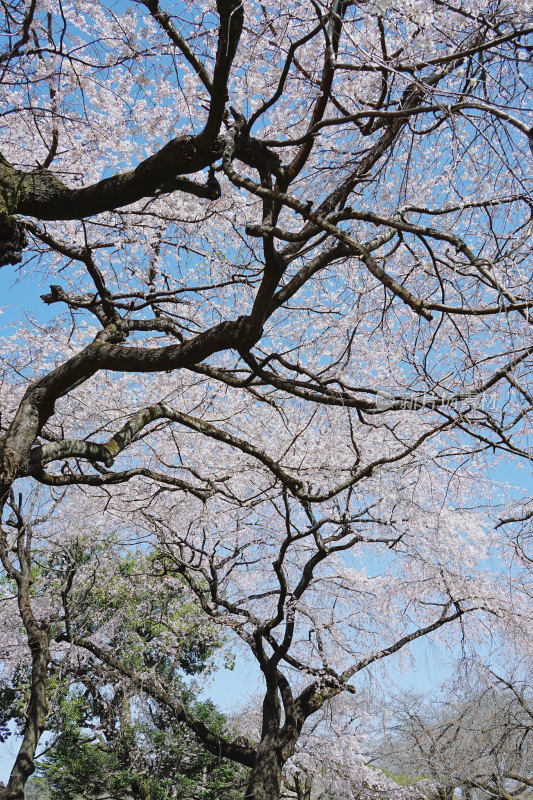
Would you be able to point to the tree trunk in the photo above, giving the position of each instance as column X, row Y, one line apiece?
column 38, row 640
column 265, row 778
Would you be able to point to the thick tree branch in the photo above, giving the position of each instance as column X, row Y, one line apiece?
column 157, row 689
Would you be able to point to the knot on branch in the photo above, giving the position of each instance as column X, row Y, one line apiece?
column 249, row 331
column 257, row 155
column 13, row 240
column 8, row 464
column 213, row 186
column 25, row 764
column 55, row 295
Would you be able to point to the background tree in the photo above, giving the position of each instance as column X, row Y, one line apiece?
column 288, row 246
column 109, row 739
column 477, row 739
column 104, row 736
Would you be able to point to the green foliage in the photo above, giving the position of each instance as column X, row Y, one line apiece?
column 105, row 737
column 8, row 697
column 110, row 739
column 145, row 756
column 14, row 698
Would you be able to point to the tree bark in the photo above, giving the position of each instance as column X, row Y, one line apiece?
column 265, row 778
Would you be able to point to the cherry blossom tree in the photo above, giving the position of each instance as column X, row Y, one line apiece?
column 288, row 245
column 477, row 739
